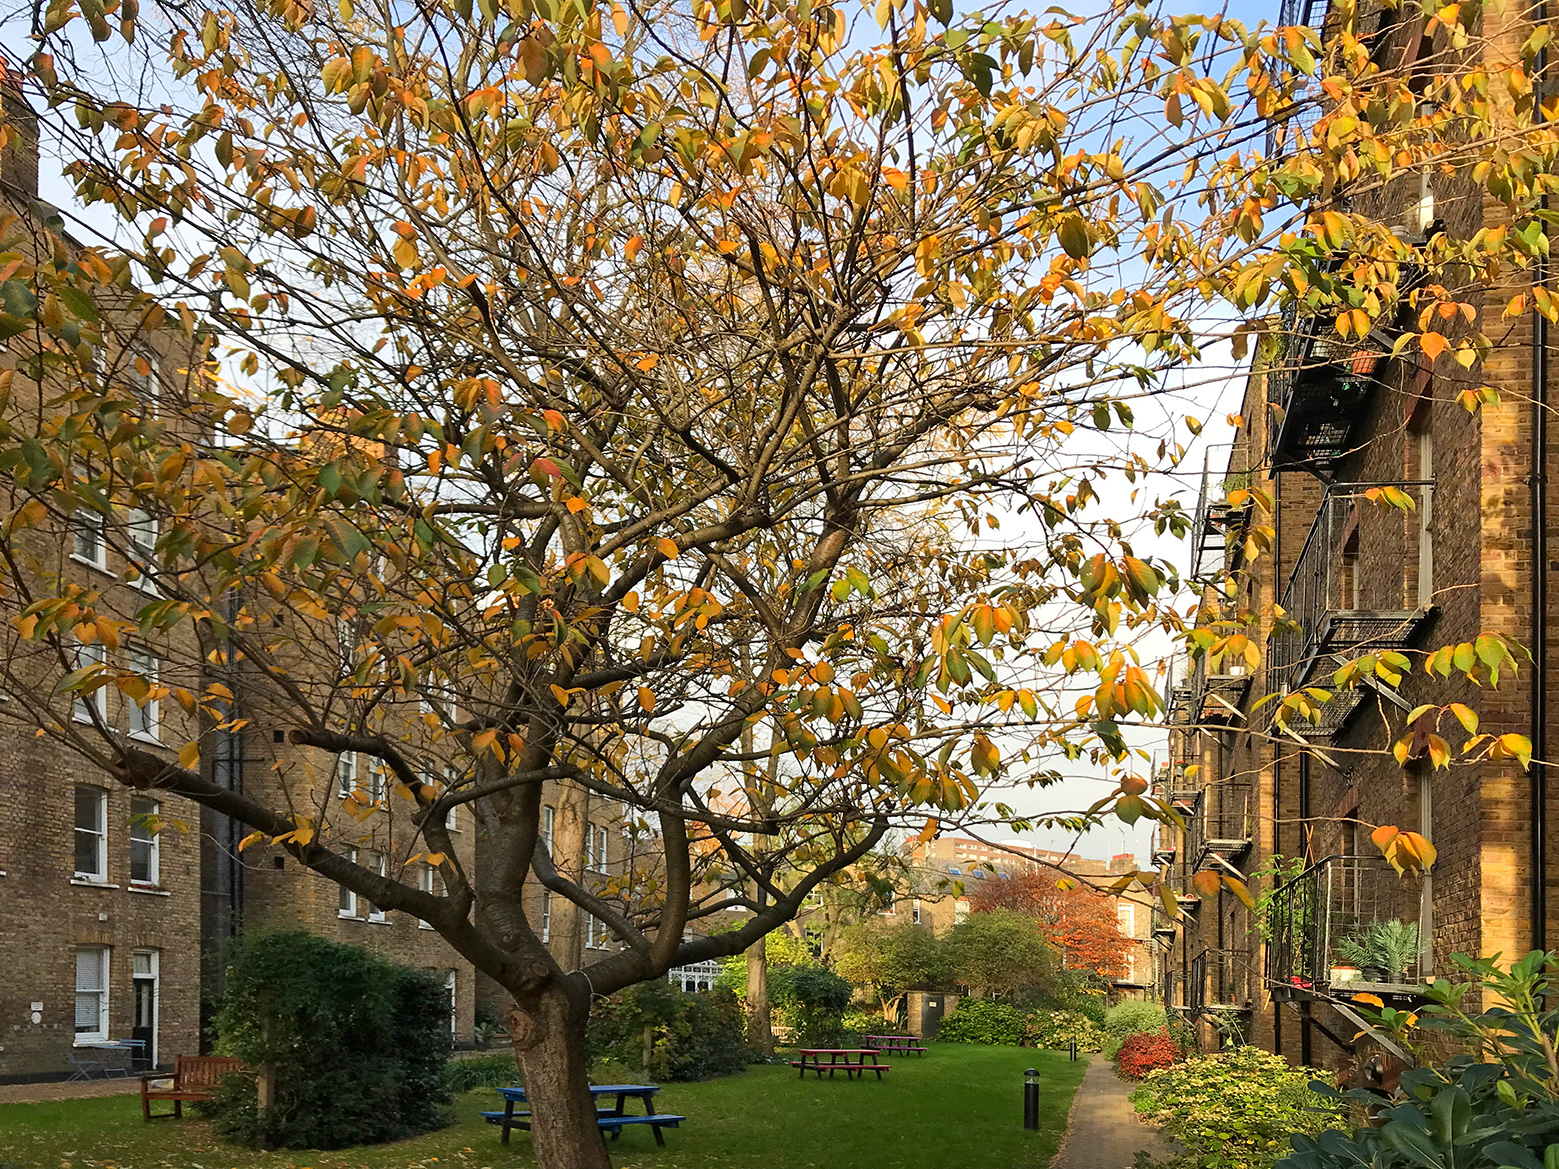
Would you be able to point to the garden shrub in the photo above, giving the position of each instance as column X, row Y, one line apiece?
column 483, row 1071
column 693, row 1036
column 983, row 1021
column 356, row 1045
column 1057, row 1029
column 810, row 1000
column 1079, row 991
column 1133, row 1015
column 1142, row 1051
column 1234, row 1109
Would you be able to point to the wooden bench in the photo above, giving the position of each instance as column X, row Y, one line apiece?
column 194, row 1078
column 606, row 1121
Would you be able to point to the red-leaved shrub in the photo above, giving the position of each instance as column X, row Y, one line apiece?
column 1143, row 1051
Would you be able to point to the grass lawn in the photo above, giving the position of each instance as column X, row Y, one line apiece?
column 957, row 1107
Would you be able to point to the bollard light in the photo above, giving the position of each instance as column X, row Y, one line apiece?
column 1074, row 1051
column 1031, row 1100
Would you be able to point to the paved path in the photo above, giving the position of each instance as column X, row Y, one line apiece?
column 1103, row 1131
column 61, row 1090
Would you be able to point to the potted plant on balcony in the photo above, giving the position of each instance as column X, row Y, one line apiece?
column 1383, row 951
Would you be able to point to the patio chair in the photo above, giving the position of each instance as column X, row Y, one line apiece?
column 85, row 1068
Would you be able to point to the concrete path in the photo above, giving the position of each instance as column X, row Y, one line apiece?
column 61, row 1090
column 1102, row 1131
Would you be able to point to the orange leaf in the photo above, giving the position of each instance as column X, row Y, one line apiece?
column 647, row 363
column 668, row 548
column 1433, row 345
column 646, row 698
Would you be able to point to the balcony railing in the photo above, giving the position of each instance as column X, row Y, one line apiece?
column 1348, row 587
column 1218, row 980
column 1218, row 697
column 1346, row 925
column 1218, row 540
column 1226, row 817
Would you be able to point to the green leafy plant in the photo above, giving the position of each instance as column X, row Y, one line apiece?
column 1494, row 1104
column 1059, row 1029
column 983, row 1021
column 484, row 1071
column 811, row 1000
column 691, row 1036
column 1133, row 1015
column 354, row 1045
column 1234, row 1109
column 1388, row 944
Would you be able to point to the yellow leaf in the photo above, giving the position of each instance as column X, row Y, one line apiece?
column 486, row 739
column 1369, row 1000
column 436, row 858
column 929, row 830
column 252, row 838
column 560, row 694
column 189, row 756
column 646, row 698
column 667, row 548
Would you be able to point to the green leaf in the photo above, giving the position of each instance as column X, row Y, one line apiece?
column 1073, row 234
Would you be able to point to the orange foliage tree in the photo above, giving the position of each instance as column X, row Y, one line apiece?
column 1078, row 920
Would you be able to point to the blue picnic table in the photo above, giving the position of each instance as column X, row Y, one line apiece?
column 610, row 1119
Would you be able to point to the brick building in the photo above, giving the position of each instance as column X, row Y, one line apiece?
column 1401, row 523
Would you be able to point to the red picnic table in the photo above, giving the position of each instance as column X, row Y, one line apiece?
column 838, row 1061
column 895, row 1044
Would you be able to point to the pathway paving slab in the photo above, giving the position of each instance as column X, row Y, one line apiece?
column 1103, row 1130
column 65, row 1090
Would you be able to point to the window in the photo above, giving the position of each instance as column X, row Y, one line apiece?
column 595, row 846
column 548, row 818
column 144, row 847
column 1421, row 437
column 347, row 906
column 595, row 932
column 1126, row 918
column 376, row 865
column 376, row 781
column 141, row 539
column 914, row 911
column 84, row 706
column 960, row 910
column 88, row 542
column 427, row 882
column 451, row 817
column 144, row 714
column 91, row 834
column 346, row 774
column 142, row 374
column 546, row 915
column 91, row 994
column 449, row 992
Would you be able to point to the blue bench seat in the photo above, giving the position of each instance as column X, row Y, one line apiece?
column 607, row 1121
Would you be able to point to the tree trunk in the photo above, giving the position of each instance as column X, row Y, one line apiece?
column 548, row 1031
column 760, row 1023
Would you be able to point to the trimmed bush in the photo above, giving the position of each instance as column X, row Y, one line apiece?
column 693, row 1036
column 1131, row 1016
column 1057, row 1029
column 1142, row 1051
column 982, row 1021
column 356, row 1045
column 1235, row 1109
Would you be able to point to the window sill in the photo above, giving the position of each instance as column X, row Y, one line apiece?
column 150, row 890
column 88, row 1040
column 378, row 921
column 421, row 925
column 345, row 916
column 92, row 564
column 146, row 737
column 90, row 883
column 87, row 720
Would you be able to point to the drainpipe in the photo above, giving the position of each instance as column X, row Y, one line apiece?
column 1538, row 792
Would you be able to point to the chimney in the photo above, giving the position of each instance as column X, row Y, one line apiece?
column 1123, row 862
column 19, row 126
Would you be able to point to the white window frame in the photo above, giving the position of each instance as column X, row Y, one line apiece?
column 427, row 884
column 151, row 842
column 100, row 831
column 100, row 1035
column 549, row 817
column 914, row 910
column 452, row 814
column 141, row 530
column 347, row 774
column 378, row 864
column 378, row 780
column 594, row 929
column 450, row 984
column 147, row 714
column 546, row 915
column 82, row 705
column 346, row 903
column 89, row 524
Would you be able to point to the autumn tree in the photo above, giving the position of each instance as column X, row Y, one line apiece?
column 1079, row 920
column 629, row 396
